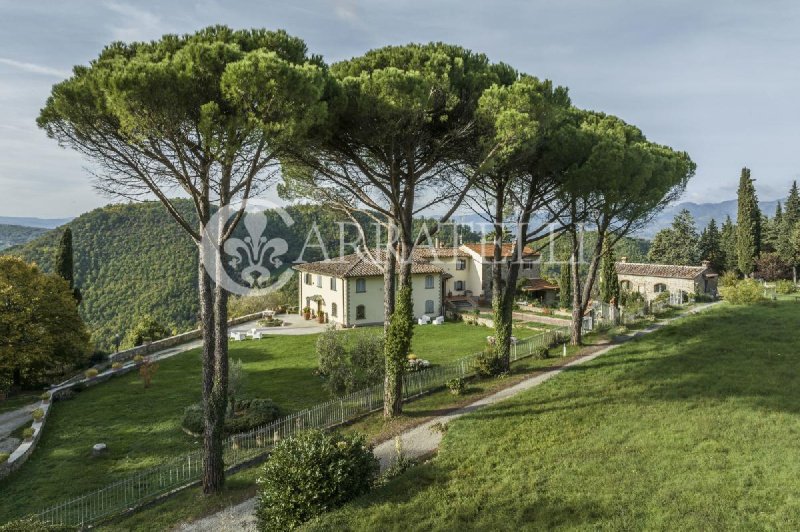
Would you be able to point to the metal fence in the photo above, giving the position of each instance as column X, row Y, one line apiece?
column 242, row 448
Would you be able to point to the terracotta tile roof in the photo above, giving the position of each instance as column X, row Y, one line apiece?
column 535, row 285
column 486, row 249
column 362, row 265
column 662, row 270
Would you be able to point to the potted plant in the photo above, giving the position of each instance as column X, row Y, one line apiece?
column 307, row 313
column 37, row 414
column 27, row 434
column 45, row 397
column 321, row 317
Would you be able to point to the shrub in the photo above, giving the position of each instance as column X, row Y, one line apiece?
column 38, row 414
column 744, row 292
column 785, row 287
column 350, row 361
column 456, row 385
column 728, row 279
column 541, row 353
column 416, row 364
column 45, row 396
column 488, row 364
column 147, row 371
column 116, row 365
column 193, row 418
column 27, row 433
column 91, row 373
column 253, row 413
column 661, row 297
column 4, row 456
column 138, row 358
column 33, row 524
column 274, row 322
column 310, row 474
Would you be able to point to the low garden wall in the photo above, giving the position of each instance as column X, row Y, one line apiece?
column 174, row 341
column 25, row 449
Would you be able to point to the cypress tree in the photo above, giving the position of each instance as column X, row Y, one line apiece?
column 64, row 262
column 748, row 225
column 609, row 282
column 727, row 239
column 565, row 286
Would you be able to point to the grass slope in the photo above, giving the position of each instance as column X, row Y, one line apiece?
column 142, row 427
column 692, row 427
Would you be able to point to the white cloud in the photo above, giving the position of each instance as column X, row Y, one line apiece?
column 34, row 68
column 138, row 24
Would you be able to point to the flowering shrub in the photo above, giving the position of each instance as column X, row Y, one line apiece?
column 416, row 364
column 456, row 385
column 312, row 473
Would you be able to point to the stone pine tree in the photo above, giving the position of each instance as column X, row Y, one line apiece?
column 710, row 246
column 402, row 119
column 206, row 114
column 565, row 286
column 748, row 225
column 64, row 263
column 727, row 240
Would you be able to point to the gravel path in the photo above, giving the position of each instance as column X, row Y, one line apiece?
column 11, row 421
column 417, row 442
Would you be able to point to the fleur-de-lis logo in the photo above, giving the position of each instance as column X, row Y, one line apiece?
column 253, row 250
column 253, row 259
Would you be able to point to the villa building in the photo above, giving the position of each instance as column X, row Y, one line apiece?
column 350, row 288
column 680, row 281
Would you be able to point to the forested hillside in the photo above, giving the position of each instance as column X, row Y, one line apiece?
column 133, row 260
column 11, row 235
column 130, row 260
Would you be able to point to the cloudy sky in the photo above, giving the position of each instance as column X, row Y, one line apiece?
column 719, row 79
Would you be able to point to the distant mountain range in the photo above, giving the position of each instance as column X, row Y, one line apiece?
column 41, row 223
column 703, row 213
column 11, row 235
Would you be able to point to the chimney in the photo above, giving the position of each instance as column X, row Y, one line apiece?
column 705, row 263
column 623, row 259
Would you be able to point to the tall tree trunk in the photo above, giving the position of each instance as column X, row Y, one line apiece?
column 389, row 276
column 577, row 304
column 399, row 332
column 213, row 468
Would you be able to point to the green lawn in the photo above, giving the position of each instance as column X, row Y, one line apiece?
column 694, row 427
column 142, row 427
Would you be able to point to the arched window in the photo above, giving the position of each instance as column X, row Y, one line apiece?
column 429, row 281
column 361, row 312
column 429, row 306
column 659, row 287
column 334, row 310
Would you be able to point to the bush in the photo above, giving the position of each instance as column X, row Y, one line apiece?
column 252, row 413
column 45, row 396
column 91, row 373
column 488, row 364
column 310, row 474
column 38, row 414
column 274, row 322
column 661, row 297
column 456, row 385
column 770, row 267
column 541, row 353
column 138, row 358
column 728, row 279
column 350, row 361
column 116, row 365
column 785, row 287
column 33, row 524
column 744, row 292
column 4, row 456
column 193, row 418
column 27, row 434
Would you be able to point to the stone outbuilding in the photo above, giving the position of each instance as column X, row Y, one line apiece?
column 680, row 281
